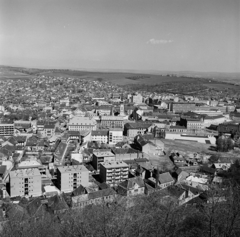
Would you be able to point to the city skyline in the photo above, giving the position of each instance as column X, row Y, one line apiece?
column 122, row 35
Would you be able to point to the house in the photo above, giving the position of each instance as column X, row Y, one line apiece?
column 164, row 180
column 102, row 156
column 149, row 147
column 183, row 193
column 180, row 175
column 98, row 197
column 48, row 130
column 57, row 204
column 131, row 187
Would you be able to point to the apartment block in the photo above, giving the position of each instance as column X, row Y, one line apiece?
column 115, row 135
column 114, row 172
column 6, row 129
column 102, row 156
column 71, row 177
column 25, row 182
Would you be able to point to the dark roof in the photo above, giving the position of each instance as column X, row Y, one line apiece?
column 57, row 203
column 49, row 126
column 124, row 150
column 140, row 140
column 103, row 186
column 79, row 191
column 129, row 184
column 100, row 133
column 207, row 169
column 138, row 125
column 101, row 193
column 16, row 212
column 3, row 169
column 165, row 178
column 36, row 208
column 20, row 139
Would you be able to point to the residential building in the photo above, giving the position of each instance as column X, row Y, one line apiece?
column 111, row 121
column 115, row 135
column 104, row 110
column 71, row 177
column 98, row 197
column 113, row 172
column 25, row 182
column 164, row 180
column 136, row 98
column 82, row 123
column 6, row 129
column 154, row 147
column 131, row 187
column 133, row 129
column 49, row 130
column 179, row 107
column 100, row 136
column 102, row 156
column 126, row 153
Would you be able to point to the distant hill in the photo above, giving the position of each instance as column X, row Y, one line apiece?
column 120, row 77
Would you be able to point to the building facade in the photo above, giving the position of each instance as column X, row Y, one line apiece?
column 100, row 136
column 113, row 172
column 82, row 123
column 6, row 129
column 25, row 182
column 102, row 156
column 115, row 135
column 71, row 177
column 111, row 122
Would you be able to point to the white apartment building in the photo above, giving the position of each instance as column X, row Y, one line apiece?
column 6, row 129
column 71, row 177
column 114, row 172
column 25, row 182
column 115, row 135
column 100, row 136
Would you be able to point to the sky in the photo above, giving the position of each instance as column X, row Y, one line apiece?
column 163, row 35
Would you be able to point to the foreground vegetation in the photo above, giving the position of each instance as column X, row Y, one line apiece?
column 149, row 216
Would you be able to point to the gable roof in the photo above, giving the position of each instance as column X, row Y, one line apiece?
column 165, row 178
column 101, row 193
column 130, row 183
column 57, row 203
column 79, row 191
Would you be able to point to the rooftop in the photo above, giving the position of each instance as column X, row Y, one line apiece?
column 114, row 164
column 103, row 153
column 72, row 169
column 25, row 173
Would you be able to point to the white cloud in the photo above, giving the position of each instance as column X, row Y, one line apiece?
column 159, row 41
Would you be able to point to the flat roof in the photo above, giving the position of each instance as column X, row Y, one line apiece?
column 72, row 169
column 25, row 173
column 103, row 153
column 113, row 164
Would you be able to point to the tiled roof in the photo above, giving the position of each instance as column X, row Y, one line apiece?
column 129, row 184
column 101, row 193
